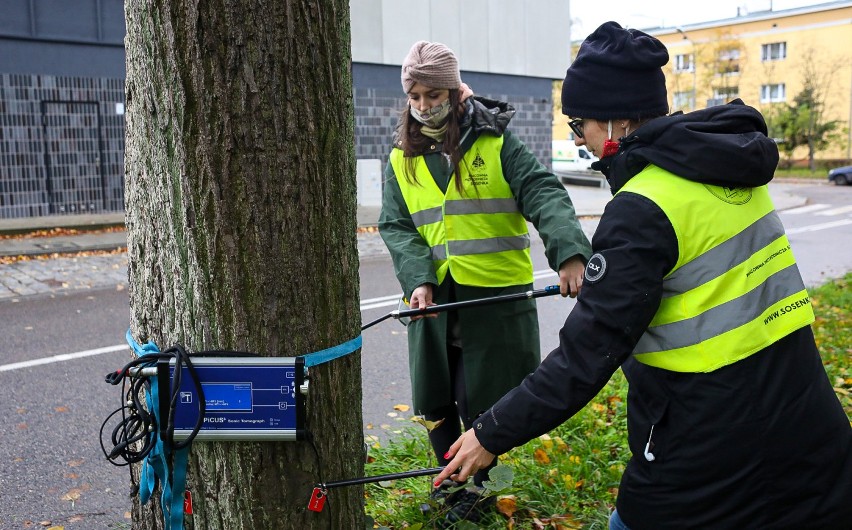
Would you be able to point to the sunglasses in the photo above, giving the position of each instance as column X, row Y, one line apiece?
column 577, row 126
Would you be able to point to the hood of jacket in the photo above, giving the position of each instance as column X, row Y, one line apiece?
column 725, row 145
column 487, row 115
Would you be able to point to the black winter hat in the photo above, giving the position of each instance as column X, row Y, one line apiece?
column 617, row 74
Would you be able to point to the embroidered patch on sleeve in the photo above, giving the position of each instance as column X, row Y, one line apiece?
column 596, row 268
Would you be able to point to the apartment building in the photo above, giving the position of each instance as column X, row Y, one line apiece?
column 765, row 58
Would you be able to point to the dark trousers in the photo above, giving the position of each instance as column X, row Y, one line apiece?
column 443, row 436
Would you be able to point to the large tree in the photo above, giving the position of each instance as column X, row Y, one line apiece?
column 804, row 122
column 241, row 231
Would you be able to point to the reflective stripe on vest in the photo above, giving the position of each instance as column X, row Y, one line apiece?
column 735, row 289
column 477, row 234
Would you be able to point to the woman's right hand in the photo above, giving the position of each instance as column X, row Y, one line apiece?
column 421, row 298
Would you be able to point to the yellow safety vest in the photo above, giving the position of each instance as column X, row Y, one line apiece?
column 478, row 235
column 735, row 288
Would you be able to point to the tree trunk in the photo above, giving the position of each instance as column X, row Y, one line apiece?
column 241, row 231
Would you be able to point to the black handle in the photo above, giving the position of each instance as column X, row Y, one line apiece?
column 379, row 478
column 550, row 290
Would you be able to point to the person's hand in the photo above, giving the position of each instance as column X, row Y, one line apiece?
column 421, row 298
column 467, row 456
column 571, row 276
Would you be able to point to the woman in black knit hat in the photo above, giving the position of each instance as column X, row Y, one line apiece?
column 459, row 189
column 694, row 293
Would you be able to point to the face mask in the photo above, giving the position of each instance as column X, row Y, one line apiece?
column 433, row 117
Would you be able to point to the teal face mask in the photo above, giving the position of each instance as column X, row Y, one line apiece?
column 433, row 117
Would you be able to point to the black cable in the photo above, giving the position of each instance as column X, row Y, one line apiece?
column 139, row 425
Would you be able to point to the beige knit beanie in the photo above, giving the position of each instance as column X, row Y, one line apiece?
column 431, row 64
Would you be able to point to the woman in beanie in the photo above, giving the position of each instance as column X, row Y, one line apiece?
column 694, row 292
column 458, row 193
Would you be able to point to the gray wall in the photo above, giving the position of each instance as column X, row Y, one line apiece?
column 61, row 107
column 515, row 37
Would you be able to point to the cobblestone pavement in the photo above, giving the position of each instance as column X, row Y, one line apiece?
column 65, row 274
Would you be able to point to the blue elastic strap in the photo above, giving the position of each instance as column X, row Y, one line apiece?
column 156, row 462
column 329, row 354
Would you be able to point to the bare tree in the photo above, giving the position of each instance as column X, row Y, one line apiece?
column 241, row 216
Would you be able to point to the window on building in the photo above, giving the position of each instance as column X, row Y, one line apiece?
column 729, row 61
column 774, row 51
column 773, row 93
column 683, row 100
column 726, row 93
column 684, row 63
column 723, row 95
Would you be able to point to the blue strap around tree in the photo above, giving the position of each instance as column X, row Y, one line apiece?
column 329, row 354
column 155, row 463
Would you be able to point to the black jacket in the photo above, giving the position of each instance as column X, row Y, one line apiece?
column 762, row 443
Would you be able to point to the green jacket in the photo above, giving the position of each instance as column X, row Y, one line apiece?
column 500, row 342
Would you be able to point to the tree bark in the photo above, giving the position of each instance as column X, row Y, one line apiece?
column 241, row 217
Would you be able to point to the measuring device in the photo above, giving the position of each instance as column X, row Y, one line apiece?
column 245, row 398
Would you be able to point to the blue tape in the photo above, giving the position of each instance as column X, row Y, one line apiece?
column 155, row 463
column 329, row 354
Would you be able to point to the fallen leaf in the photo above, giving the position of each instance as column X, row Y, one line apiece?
column 540, row 456
column 60, row 409
column 507, row 505
column 430, row 425
column 401, row 407
column 76, row 463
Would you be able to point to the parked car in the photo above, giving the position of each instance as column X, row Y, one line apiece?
column 568, row 157
column 841, row 175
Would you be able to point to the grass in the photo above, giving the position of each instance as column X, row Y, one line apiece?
column 821, row 173
column 569, row 478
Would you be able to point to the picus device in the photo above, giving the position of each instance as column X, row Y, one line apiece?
column 246, row 398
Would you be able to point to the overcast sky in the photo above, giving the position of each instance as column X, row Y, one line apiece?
column 589, row 14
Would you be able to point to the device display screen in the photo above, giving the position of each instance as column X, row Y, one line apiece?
column 227, row 397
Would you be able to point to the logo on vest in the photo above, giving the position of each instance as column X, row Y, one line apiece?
column 595, row 269
column 730, row 195
column 477, row 172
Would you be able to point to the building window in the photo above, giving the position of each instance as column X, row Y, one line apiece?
column 729, row 61
column 683, row 100
column 774, row 51
column 773, row 93
column 726, row 93
column 723, row 95
column 684, row 63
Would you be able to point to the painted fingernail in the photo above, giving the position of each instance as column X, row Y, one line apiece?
column 436, row 483
column 447, row 454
